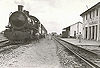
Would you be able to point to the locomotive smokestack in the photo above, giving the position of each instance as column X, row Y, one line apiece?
column 20, row 7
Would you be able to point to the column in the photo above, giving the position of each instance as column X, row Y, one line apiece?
column 84, row 34
column 95, row 32
column 98, row 28
column 98, row 33
column 91, row 32
column 88, row 33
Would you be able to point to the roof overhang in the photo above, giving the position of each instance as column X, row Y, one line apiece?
column 92, row 8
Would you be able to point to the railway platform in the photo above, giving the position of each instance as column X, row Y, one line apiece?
column 83, row 42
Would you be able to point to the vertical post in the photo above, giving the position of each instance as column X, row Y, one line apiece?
column 98, row 28
column 95, row 32
column 84, row 33
column 98, row 38
column 91, row 32
column 88, row 32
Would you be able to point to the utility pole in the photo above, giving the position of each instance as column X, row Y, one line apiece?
column 85, row 4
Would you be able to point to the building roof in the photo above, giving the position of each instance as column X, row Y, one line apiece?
column 93, row 7
column 76, row 23
column 72, row 25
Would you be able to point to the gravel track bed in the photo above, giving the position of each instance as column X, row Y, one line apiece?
column 33, row 55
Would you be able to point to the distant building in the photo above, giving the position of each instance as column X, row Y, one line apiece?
column 75, row 29
column 72, row 30
column 91, row 23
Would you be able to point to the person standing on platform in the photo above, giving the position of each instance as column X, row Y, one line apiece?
column 80, row 37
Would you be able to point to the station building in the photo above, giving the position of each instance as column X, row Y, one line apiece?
column 73, row 30
column 91, row 23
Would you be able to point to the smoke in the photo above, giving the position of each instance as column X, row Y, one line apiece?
column 21, row 2
column 24, row 3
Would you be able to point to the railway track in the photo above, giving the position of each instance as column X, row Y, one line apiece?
column 87, row 56
column 3, row 41
column 5, row 46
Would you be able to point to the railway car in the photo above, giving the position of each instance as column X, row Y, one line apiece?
column 22, row 26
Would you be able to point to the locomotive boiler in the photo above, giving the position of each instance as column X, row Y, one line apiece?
column 22, row 27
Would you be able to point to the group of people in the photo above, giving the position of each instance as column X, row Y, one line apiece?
column 37, row 36
column 49, row 37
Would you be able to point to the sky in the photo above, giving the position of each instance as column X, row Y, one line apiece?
column 53, row 14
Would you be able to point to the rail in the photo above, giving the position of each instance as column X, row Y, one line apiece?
column 3, row 41
column 91, row 64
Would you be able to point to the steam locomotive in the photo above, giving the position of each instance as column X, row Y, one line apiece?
column 22, row 26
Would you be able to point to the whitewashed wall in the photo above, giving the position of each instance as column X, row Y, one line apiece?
column 94, row 20
column 81, row 28
column 72, row 29
column 76, row 28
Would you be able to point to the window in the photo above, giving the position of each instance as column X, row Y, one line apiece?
column 86, row 16
column 93, row 13
column 90, row 14
column 97, row 12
